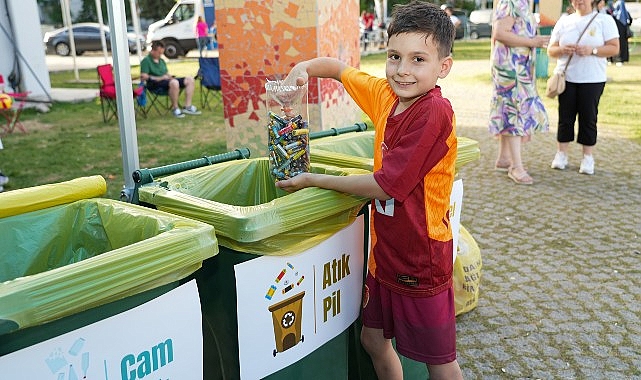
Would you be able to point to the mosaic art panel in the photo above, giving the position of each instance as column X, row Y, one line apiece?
column 260, row 40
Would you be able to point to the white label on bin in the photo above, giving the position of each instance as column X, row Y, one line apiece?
column 160, row 339
column 288, row 306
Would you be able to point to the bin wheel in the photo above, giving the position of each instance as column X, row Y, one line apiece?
column 274, row 353
column 302, row 338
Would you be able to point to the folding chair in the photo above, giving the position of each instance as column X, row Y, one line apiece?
column 107, row 94
column 12, row 114
column 209, row 75
column 158, row 100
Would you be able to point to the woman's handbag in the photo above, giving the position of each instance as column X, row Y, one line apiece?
column 556, row 83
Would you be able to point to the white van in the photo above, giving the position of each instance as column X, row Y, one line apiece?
column 178, row 29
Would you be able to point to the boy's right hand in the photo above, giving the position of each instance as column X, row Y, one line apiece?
column 295, row 183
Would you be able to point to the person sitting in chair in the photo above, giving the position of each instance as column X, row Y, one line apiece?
column 153, row 71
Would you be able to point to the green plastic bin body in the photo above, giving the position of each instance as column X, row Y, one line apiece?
column 542, row 63
column 29, row 336
column 253, row 218
column 134, row 253
column 220, row 328
column 542, row 59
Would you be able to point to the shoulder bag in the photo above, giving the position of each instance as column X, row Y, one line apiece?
column 556, row 83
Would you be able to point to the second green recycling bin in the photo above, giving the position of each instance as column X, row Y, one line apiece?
column 255, row 220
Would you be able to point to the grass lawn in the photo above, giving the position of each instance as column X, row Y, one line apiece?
column 72, row 141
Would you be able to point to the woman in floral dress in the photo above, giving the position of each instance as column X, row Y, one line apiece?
column 516, row 109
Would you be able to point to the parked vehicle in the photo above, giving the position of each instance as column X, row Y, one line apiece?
column 480, row 23
column 86, row 38
column 177, row 30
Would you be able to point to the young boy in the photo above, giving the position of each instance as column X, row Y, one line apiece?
column 408, row 292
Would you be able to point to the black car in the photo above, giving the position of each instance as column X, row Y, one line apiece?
column 86, row 37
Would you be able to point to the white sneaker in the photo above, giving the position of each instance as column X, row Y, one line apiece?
column 191, row 110
column 587, row 165
column 560, row 161
column 178, row 113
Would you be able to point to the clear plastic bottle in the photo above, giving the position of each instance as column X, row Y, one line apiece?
column 287, row 129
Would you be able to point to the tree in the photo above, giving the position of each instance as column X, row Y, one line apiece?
column 88, row 12
column 155, row 9
column 50, row 11
column 150, row 9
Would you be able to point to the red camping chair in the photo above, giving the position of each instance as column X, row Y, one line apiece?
column 12, row 115
column 108, row 101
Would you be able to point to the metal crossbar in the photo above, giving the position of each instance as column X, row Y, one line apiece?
column 357, row 127
column 145, row 176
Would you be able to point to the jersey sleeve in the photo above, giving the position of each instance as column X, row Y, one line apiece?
column 372, row 94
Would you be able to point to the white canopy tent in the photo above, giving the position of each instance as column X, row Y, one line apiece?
column 122, row 72
column 24, row 68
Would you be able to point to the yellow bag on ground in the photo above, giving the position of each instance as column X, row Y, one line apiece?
column 467, row 273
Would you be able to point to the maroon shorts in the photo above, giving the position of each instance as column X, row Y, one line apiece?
column 424, row 327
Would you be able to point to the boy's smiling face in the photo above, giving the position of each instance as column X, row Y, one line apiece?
column 413, row 66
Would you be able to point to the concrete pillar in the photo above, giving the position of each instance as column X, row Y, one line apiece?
column 260, row 40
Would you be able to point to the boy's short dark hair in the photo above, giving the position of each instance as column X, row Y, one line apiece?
column 157, row 44
column 424, row 18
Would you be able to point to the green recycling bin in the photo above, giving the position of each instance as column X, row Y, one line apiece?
column 259, row 224
column 356, row 150
column 67, row 262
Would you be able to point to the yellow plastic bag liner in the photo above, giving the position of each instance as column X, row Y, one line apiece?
column 356, row 150
column 38, row 197
column 352, row 150
column 250, row 214
column 61, row 260
column 467, row 273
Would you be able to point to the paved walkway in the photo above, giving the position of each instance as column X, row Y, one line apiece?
column 561, row 278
